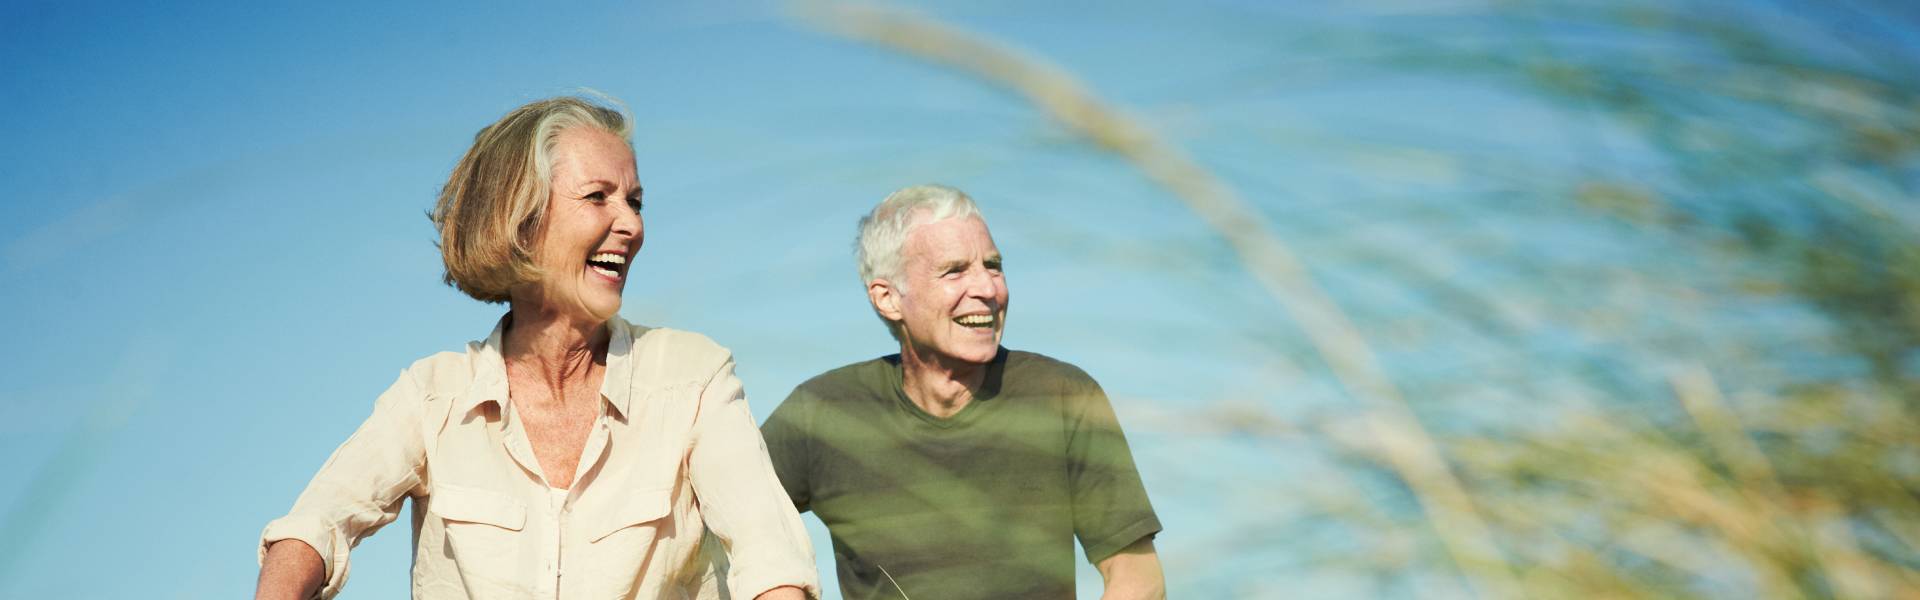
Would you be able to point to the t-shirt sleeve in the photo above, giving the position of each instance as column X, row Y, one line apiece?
column 788, row 445
column 1110, row 507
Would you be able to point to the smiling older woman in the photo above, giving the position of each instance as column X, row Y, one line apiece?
column 570, row 454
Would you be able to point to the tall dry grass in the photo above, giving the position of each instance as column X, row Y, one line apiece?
column 1804, row 489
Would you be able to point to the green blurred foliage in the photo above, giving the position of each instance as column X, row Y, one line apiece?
column 1533, row 419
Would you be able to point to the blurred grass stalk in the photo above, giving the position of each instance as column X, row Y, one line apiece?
column 1408, row 446
column 1602, row 501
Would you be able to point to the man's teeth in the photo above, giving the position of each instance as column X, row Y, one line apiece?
column 609, row 257
column 975, row 320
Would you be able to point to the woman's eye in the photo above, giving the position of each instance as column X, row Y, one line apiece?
column 635, row 204
column 596, row 197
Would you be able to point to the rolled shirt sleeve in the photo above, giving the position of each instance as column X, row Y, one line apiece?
column 742, row 500
column 361, row 486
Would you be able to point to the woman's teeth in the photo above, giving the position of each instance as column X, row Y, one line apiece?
column 607, row 263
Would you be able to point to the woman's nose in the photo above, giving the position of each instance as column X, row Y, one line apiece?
column 626, row 222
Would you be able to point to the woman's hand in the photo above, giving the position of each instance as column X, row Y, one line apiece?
column 293, row 571
column 785, row 592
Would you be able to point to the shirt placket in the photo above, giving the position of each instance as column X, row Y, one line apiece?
column 590, row 455
column 553, row 519
column 555, row 541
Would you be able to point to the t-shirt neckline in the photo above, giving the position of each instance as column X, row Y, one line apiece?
column 989, row 388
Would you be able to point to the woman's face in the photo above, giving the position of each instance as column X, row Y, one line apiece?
column 592, row 228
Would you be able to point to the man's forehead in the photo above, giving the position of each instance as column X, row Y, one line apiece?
column 952, row 237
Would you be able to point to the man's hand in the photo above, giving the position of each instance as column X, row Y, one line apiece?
column 1133, row 573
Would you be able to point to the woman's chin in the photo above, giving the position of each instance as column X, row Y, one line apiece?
column 602, row 312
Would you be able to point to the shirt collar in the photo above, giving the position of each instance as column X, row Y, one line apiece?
column 615, row 383
column 489, row 362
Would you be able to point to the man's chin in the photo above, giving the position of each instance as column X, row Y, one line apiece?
column 978, row 356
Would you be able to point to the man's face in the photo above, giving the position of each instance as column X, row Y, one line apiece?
column 951, row 298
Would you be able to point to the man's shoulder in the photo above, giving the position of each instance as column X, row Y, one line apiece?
column 845, row 391
column 870, row 376
column 1026, row 368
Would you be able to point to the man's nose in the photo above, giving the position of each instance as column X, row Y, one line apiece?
column 981, row 284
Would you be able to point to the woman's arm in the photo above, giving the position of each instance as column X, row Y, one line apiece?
column 291, row 571
column 358, row 490
column 741, row 499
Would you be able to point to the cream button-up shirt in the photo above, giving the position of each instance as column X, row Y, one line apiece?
column 674, row 456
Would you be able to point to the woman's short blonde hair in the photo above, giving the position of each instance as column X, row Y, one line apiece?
column 495, row 201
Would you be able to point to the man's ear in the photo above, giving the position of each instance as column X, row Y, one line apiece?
column 885, row 298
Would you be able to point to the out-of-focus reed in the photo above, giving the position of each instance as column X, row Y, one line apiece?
column 1808, row 488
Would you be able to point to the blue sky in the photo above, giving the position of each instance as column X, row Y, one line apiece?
column 216, row 252
column 216, row 239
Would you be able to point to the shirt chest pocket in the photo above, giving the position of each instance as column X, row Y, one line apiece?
column 622, row 531
column 623, row 515
column 634, row 509
column 484, row 536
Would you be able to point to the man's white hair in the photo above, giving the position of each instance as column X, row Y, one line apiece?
column 883, row 232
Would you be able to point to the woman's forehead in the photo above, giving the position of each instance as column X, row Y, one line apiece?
column 590, row 154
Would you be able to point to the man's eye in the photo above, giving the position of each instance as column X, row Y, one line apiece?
column 635, row 204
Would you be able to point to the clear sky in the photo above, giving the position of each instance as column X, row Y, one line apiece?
column 215, row 253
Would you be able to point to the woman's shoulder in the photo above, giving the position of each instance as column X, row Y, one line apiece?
column 446, row 371
column 676, row 349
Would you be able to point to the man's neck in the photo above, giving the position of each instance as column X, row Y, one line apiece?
column 940, row 387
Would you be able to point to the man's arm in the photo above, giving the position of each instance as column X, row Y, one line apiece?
column 1110, row 504
column 787, row 437
column 1133, row 573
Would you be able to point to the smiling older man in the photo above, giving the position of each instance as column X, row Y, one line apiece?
column 958, row 468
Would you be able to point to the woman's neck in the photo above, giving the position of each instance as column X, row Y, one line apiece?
column 557, row 351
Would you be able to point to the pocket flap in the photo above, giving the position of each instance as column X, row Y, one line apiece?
column 632, row 509
column 474, row 505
